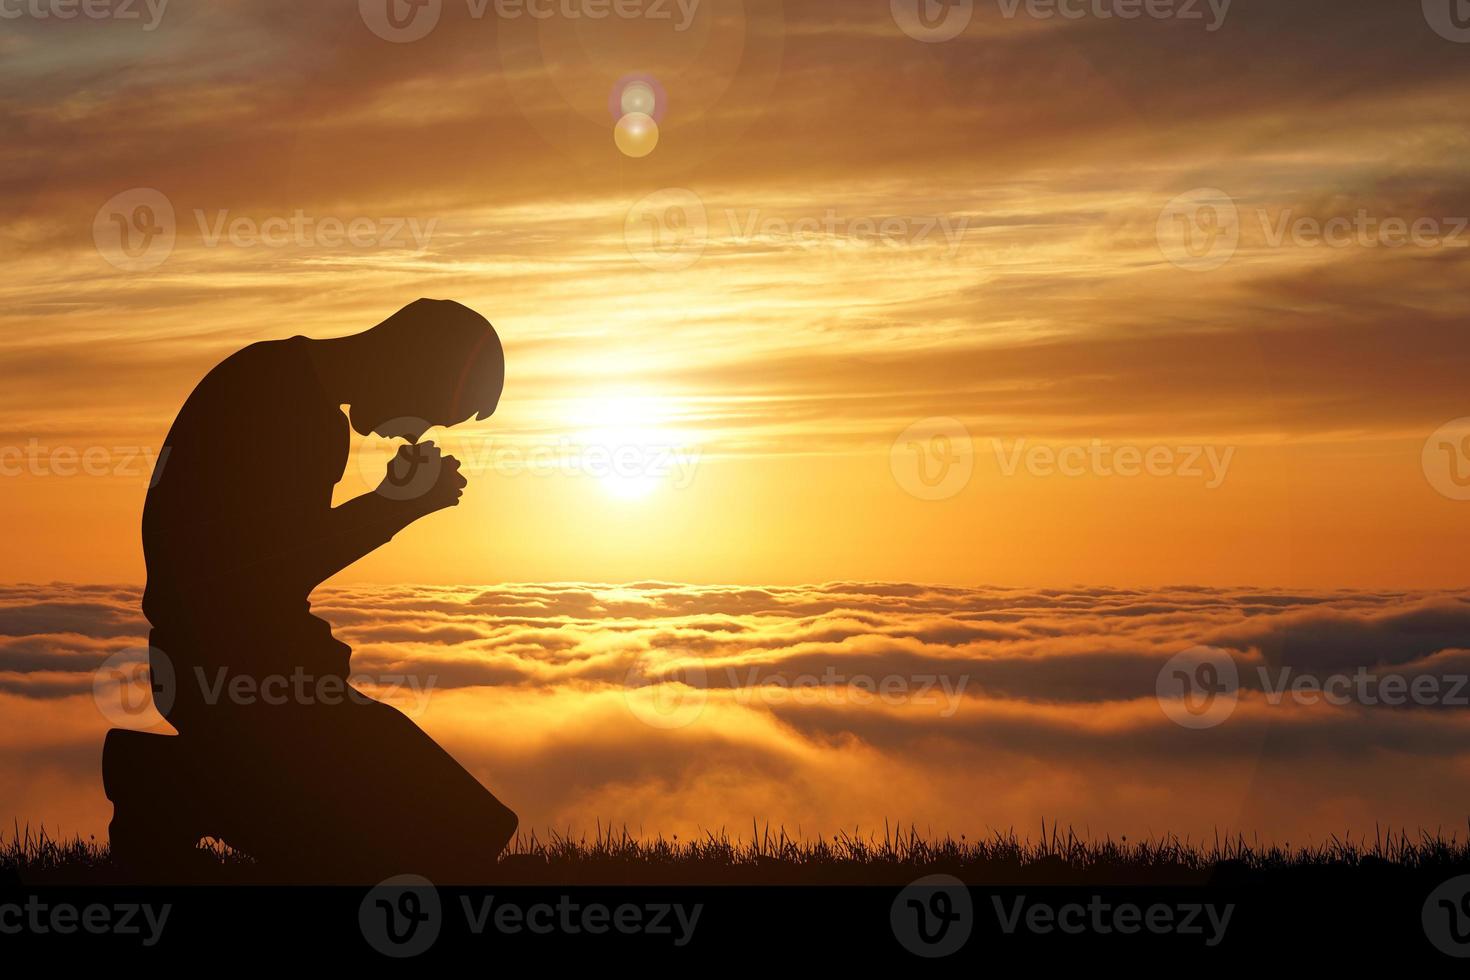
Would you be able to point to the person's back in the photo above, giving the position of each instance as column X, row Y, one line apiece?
column 244, row 486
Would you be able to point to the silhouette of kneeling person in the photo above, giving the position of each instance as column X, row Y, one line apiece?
column 304, row 773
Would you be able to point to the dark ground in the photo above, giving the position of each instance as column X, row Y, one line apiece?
column 1394, row 900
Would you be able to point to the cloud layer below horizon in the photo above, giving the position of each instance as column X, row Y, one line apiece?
column 676, row 709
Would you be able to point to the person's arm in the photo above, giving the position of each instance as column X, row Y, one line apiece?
column 420, row 481
column 280, row 542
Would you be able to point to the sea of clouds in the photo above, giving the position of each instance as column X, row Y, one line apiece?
column 678, row 709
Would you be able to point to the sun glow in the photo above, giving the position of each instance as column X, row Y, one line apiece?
column 625, row 444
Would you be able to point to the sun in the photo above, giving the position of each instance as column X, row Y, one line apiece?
column 625, row 444
column 635, row 487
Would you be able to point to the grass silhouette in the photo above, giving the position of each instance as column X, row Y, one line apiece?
column 892, row 856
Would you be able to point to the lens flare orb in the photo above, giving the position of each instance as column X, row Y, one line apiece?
column 636, row 134
column 638, row 97
column 637, row 93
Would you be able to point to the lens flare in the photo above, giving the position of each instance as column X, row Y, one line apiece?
column 638, row 97
column 636, row 134
column 637, row 93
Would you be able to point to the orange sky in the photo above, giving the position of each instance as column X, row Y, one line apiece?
column 1019, row 285
column 1137, row 303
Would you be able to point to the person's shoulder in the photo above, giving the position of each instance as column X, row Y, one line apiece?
column 274, row 355
column 289, row 348
column 262, row 367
